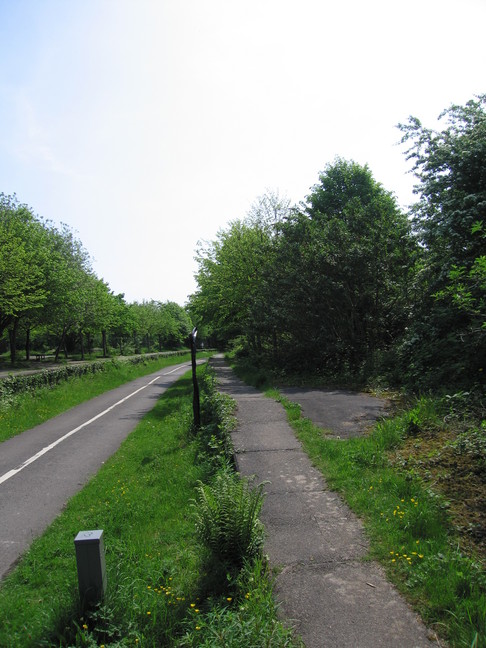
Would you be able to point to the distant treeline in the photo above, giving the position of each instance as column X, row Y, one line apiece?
column 50, row 298
column 346, row 284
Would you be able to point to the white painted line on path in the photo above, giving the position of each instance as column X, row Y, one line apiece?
column 38, row 455
column 174, row 370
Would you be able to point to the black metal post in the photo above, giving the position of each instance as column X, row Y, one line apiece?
column 195, row 400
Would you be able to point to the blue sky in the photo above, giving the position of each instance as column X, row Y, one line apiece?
column 147, row 125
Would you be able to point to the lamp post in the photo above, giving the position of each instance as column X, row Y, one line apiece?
column 195, row 400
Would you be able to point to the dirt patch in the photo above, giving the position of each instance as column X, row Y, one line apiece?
column 458, row 476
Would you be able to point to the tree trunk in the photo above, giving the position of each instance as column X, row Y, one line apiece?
column 12, row 335
column 27, row 343
column 81, row 341
column 105, row 346
column 60, row 345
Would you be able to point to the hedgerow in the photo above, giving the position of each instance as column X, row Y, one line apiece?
column 16, row 384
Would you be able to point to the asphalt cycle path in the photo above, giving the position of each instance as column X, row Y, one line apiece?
column 341, row 413
column 42, row 468
column 326, row 587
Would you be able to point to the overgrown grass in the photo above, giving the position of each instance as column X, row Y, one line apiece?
column 160, row 592
column 22, row 411
column 407, row 523
column 246, row 616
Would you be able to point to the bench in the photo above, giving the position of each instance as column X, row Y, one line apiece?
column 42, row 356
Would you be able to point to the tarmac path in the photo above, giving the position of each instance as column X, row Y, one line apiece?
column 343, row 413
column 42, row 468
column 332, row 595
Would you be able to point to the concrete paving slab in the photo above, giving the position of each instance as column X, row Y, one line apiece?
column 357, row 608
column 263, row 436
column 294, row 537
column 285, row 471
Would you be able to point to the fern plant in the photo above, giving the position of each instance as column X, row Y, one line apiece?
column 227, row 520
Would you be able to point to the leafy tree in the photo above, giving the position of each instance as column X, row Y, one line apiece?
column 99, row 307
column 144, row 319
column 447, row 341
column 47, row 284
column 122, row 323
column 23, row 257
column 325, row 284
column 235, row 276
column 180, row 325
column 68, row 278
column 229, row 279
column 166, row 323
column 347, row 257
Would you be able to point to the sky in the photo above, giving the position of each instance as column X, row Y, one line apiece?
column 149, row 125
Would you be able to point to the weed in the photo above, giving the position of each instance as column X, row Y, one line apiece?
column 246, row 618
column 472, row 443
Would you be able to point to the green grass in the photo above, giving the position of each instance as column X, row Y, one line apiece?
column 161, row 588
column 407, row 523
column 140, row 498
column 26, row 410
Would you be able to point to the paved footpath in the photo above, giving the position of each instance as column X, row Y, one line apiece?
column 332, row 596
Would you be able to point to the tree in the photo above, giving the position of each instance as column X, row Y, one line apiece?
column 347, row 257
column 23, row 257
column 99, row 306
column 323, row 286
column 180, row 325
column 68, row 276
column 447, row 341
column 167, row 323
column 122, row 323
column 232, row 300
column 229, row 278
column 450, row 167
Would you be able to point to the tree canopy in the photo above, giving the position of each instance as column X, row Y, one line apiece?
column 346, row 283
column 342, row 284
column 50, row 295
column 325, row 282
column 448, row 334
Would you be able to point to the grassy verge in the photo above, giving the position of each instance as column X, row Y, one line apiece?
column 23, row 411
column 408, row 523
column 418, row 483
column 161, row 588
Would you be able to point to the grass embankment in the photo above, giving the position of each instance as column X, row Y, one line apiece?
column 162, row 588
column 418, row 483
column 26, row 409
